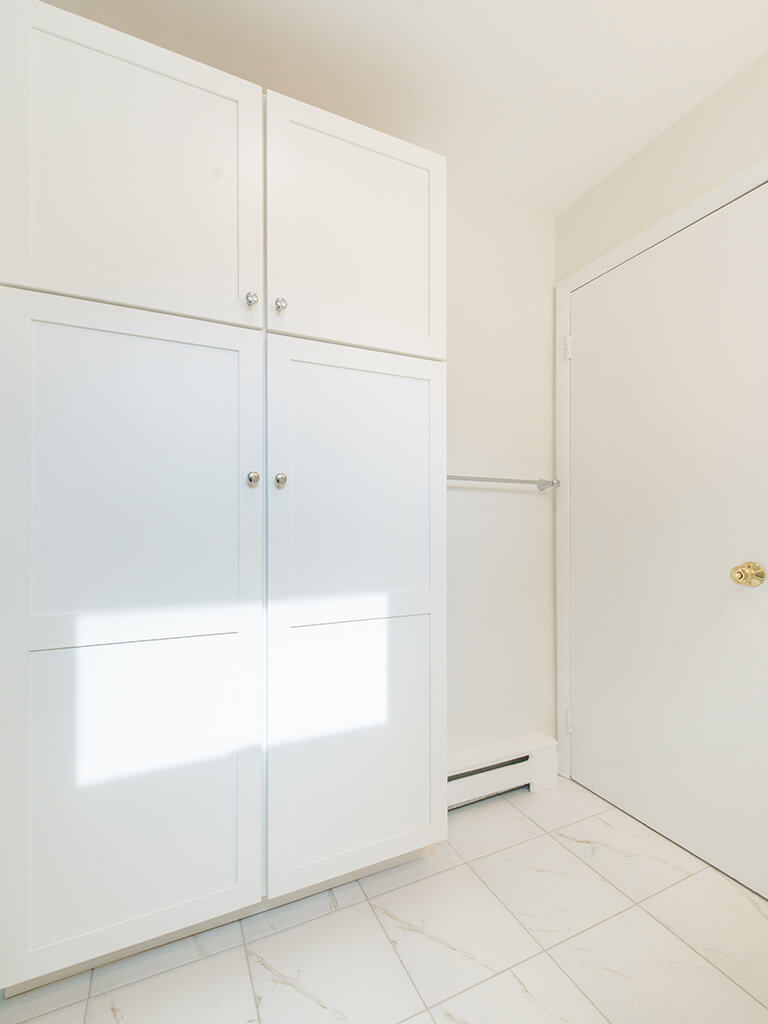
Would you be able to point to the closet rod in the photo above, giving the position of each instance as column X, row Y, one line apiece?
column 542, row 485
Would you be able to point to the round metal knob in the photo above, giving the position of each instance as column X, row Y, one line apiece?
column 280, row 480
column 251, row 298
column 748, row 574
column 281, row 304
column 253, row 478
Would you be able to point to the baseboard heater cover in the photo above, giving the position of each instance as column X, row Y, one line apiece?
column 478, row 773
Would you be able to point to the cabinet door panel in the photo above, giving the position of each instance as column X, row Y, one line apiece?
column 355, row 233
column 356, row 609
column 370, row 534
column 133, row 768
column 138, row 173
column 119, row 512
column 350, row 736
column 132, row 740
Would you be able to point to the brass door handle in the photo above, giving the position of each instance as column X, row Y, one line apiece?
column 748, row 574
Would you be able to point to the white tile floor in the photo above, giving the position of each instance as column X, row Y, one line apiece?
column 548, row 907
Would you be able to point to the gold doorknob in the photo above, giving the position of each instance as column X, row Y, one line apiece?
column 748, row 574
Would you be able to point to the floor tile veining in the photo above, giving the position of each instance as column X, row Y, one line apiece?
column 540, row 908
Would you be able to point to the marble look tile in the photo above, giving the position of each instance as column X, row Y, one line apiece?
column 42, row 1000
column 422, row 1018
column 347, row 895
column 562, row 805
column 725, row 922
column 336, row 968
column 163, row 958
column 451, row 932
column 536, row 992
column 552, row 892
column 431, row 860
column 290, row 914
column 637, row 860
column 485, row 827
column 637, row 972
column 216, row 988
column 74, row 1014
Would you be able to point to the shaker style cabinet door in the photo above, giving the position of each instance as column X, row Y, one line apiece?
column 355, row 233
column 131, row 610
column 130, row 174
column 356, row 509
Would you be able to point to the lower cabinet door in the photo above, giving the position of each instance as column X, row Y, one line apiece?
column 356, row 616
column 132, row 733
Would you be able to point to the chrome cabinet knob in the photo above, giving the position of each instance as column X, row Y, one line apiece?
column 280, row 304
column 253, row 478
column 280, row 480
column 251, row 298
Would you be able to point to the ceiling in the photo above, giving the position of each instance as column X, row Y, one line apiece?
column 537, row 100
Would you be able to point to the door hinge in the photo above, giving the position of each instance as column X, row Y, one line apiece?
column 569, row 720
column 569, row 346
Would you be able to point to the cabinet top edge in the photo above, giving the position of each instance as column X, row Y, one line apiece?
column 437, row 160
column 47, row 17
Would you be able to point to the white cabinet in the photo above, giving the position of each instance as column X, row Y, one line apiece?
column 130, row 174
column 133, row 734
column 131, row 601
column 356, row 608
column 355, row 233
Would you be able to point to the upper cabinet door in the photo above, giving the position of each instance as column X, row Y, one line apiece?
column 130, row 174
column 355, row 233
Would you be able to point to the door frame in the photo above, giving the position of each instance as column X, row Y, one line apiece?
column 753, row 177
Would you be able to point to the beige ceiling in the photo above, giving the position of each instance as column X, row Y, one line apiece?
column 535, row 99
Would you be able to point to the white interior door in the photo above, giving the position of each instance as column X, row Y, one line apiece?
column 356, row 609
column 669, row 491
column 355, row 243
column 132, row 733
column 130, row 174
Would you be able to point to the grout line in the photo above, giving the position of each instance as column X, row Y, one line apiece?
column 581, row 931
column 599, row 874
column 700, row 954
column 624, row 910
column 565, row 824
column 413, row 881
column 88, row 996
column 618, row 913
column 482, row 981
column 578, row 987
column 501, row 902
column 618, row 888
column 165, row 970
column 503, row 849
column 554, row 833
column 256, row 1000
column 395, row 950
column 297, row 924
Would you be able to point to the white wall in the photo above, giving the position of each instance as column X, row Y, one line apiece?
column 714, row 141
column 500, row 563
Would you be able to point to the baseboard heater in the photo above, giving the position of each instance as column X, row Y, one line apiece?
column 480, row 772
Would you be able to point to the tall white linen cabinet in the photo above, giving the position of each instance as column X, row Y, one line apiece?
column 223, row 520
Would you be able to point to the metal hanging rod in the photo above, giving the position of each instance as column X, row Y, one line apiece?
column 542, row 485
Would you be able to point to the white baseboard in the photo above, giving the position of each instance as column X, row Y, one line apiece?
column 479, row 772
